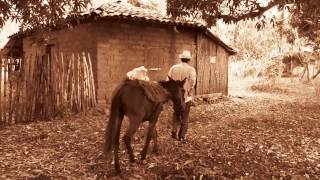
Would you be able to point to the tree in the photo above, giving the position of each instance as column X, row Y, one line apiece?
column 307, row 21
column 34, row 13
column 305, row 13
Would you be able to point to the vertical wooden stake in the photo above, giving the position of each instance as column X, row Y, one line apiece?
column 10, row 91
column 5, row 90
column 92, row 81
column 1, row 90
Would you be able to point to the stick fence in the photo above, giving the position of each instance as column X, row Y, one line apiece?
column 43, row 87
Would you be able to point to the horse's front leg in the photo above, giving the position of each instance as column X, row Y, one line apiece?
column 155, row 141
column 151, row 132
column 184, row 122
column 150, row 135
column 176, row 121
column 133, row 126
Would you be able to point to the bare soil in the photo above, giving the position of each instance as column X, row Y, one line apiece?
column 248, row 135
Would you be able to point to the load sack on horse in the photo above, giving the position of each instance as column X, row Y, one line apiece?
column 139, row 73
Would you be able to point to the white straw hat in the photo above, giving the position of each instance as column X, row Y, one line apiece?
column 185, row 55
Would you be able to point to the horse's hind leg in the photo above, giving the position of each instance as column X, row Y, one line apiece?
column 116, row 146
column 133, row 126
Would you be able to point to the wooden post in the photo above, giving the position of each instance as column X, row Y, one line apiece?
column 73, row 81
column 55, row 69
column 30, row 90
column 81, row 82
column 18, row 92
column 10, row 92
column 5, row 90
column 63, row 79
column 86, row 80
column 1, row 90
column 69, row 80
column 57, row 76
column 93, row 89
column 78, row 82
column 49, row 89
column 36, row 81
column 23, row 89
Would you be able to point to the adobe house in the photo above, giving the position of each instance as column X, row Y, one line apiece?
column 120, row 37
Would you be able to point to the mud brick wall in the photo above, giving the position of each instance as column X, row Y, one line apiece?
column 124, row 46
column 117, row 47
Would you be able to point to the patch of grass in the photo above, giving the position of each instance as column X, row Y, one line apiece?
column 269, row 88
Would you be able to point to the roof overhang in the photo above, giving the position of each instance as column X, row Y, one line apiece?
column 209, row 34
column 13, row 48
column 126, row 11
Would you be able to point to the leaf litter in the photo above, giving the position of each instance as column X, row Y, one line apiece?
column 251, row 138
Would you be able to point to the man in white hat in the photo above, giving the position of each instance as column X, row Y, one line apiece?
column 180, row 72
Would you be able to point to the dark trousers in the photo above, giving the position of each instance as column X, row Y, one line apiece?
column 181, row 119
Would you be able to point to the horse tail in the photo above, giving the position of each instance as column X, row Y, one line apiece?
column 114, row 124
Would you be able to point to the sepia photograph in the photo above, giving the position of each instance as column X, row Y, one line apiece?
column 160, row 89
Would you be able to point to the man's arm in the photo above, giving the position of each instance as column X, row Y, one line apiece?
column 193, row 77
column 192, row 80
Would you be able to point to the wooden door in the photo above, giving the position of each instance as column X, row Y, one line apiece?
column 206, row 62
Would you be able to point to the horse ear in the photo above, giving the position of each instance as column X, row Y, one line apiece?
column 170, row 79
column 183, row 81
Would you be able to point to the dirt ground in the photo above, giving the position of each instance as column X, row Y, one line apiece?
column 248, row 135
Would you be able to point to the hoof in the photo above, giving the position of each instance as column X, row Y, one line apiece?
column 143, row 155
column 142, row 158
column 118, row 171
column 142, row 162
column 155, row 151
column 183, row 140
column 174, row 136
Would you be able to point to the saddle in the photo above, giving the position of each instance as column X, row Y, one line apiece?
column 153, row 90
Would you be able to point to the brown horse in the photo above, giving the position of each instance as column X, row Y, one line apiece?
column 132, row 100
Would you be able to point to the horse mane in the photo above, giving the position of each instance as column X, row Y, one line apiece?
column 154, row 91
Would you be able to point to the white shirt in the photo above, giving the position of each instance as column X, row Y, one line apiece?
column 180, row 72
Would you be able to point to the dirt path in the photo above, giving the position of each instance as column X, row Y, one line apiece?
column 250, row 137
